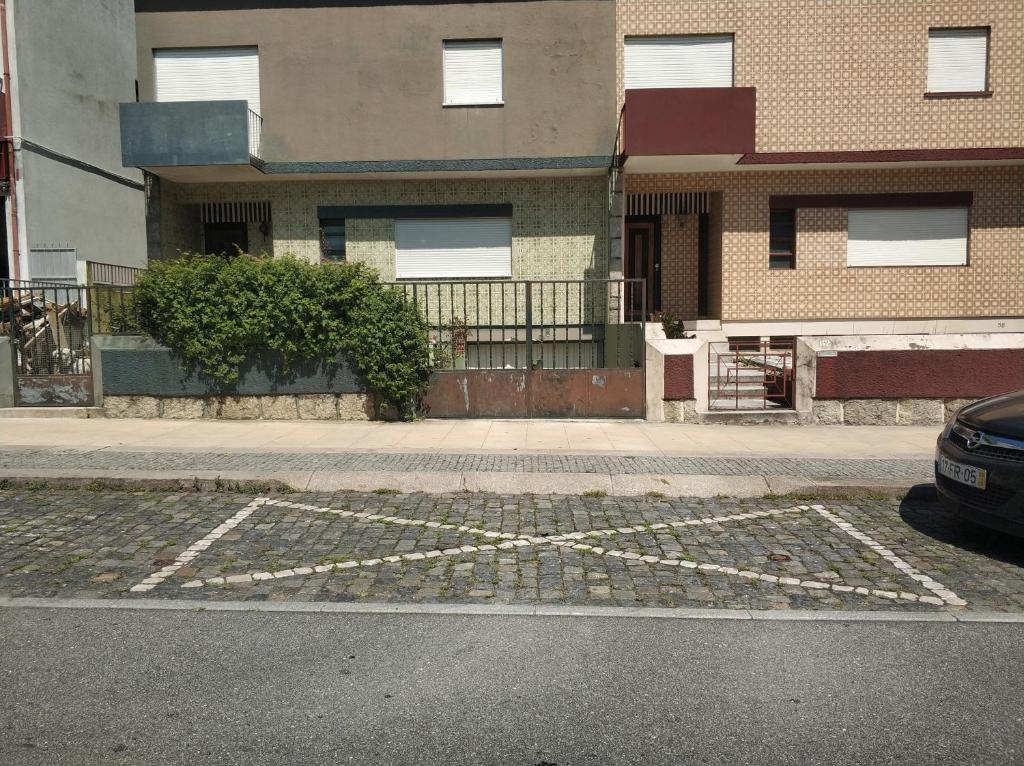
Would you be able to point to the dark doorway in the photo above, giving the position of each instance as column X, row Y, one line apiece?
column 225, row 238
column 643, row 261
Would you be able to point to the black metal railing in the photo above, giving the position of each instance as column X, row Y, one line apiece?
column 532, row 324
column 48, row 323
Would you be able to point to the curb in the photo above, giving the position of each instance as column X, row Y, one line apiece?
column 502, row 483
column 514, row 610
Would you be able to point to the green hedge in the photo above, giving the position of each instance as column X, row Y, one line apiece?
column 214, row 311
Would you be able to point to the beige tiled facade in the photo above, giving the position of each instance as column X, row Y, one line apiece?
column 847, row 75
column 822, row 286
column 559, row 225
column 679, row 265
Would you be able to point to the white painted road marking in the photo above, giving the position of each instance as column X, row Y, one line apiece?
column 942, row 594
column 190, row 553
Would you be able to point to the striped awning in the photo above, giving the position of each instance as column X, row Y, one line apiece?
column 667, row 203
column 235, row 212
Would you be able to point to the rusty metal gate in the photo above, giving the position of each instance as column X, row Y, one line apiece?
column 534, row 349
column 752, row 374
column 48, row 323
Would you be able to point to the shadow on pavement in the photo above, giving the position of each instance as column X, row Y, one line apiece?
column 921, row 510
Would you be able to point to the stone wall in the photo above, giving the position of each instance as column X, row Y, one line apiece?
column 884, row 412
column 273, row 407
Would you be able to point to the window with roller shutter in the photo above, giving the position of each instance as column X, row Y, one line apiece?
column 958, row 60
column 685, row 61
column 453, row 248
column 472, row 72
column 208, row 74
column 908, row 237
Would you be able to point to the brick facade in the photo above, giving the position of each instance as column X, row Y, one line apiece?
column 850, row 75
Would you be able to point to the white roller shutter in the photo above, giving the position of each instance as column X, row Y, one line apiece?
column 441, row 248
column 957, row 60
column 208, row 74
column 908, row 237
column 691, row 61
column 472, row 72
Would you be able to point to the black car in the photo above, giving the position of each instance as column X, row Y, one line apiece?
column 979, row 463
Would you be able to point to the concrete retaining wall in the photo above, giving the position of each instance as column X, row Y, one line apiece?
column 139, row 366
column 850, row 380
column 136, row 377
column 7, row 367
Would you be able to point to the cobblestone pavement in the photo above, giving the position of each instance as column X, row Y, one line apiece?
column 482, row 548
column 817, row 468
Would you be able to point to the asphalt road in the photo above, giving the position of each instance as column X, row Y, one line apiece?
column 176, row 687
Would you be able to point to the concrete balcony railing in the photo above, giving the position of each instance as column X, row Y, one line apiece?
column 190, row 134
column 716, row 124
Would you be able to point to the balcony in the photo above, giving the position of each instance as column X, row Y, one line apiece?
column 672, row 130
column 192, row 140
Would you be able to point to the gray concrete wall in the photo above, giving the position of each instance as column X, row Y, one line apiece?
column 365, row 82
column 7, row 367
column 104, row 221
column 138, row 366
column 74, row 64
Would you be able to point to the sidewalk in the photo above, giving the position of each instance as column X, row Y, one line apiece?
column 617, row 457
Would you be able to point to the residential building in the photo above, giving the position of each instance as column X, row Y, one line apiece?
column 817, row 191
column 807, row 168
column 66, row 198
column 432, row 140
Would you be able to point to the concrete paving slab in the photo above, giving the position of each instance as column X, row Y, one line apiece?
column 584, row 437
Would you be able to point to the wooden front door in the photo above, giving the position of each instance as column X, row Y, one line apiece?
column 643, row 261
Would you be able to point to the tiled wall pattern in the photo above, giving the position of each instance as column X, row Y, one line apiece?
column 559, row 227
column 851, row 74
column 679, row 265
column 822, row 286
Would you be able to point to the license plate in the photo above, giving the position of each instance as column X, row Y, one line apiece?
column 965, row 474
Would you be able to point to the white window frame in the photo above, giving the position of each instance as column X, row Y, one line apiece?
column 680, row 55
column 944, row 62
column 888, row 249
column 487, row 261
column 454, row 94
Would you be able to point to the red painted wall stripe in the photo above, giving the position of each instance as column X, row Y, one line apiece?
column 924, row 374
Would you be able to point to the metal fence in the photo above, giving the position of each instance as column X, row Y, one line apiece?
column 111, row 290
column 542, row 324
column 49, row 326
column 111, row 274
column 751, row 375
column 255, row 135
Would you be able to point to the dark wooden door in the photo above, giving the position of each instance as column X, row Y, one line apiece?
column 643, row 261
